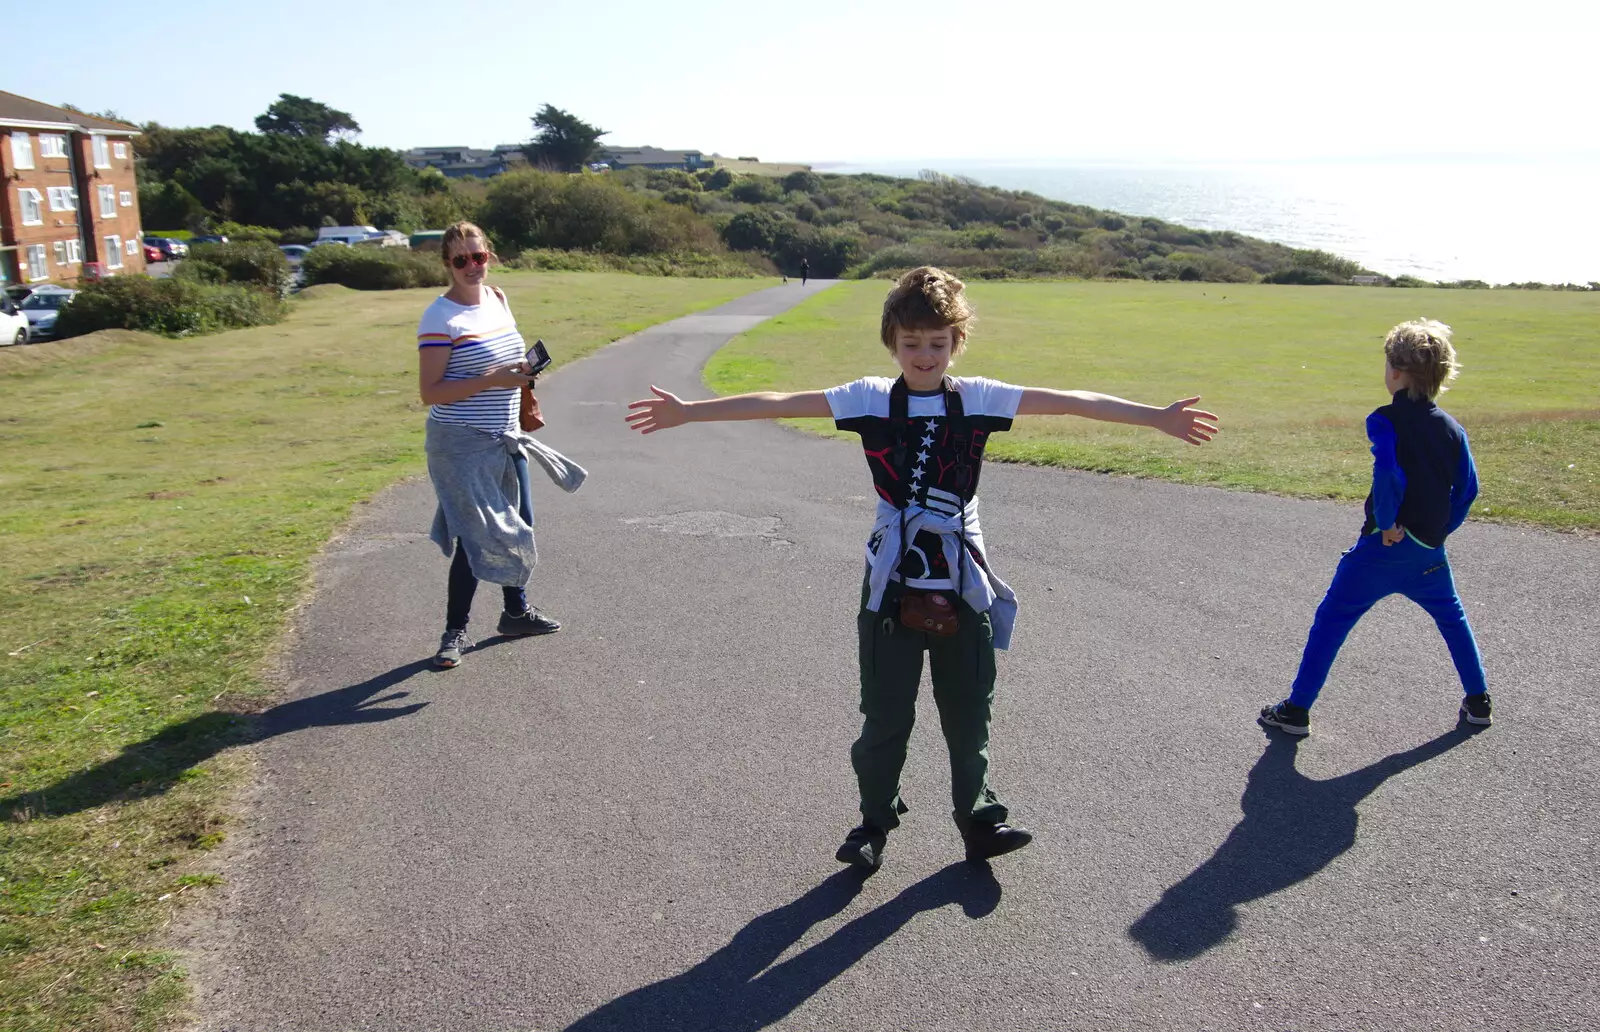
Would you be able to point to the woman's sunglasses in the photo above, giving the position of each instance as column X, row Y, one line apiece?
column 476, row 258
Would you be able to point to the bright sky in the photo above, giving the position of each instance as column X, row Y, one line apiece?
column 830, row 80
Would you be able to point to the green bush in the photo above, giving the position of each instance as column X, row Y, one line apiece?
column 691, row 264
column 174, row 307
column 200, row 271
column 239, row 233
column 1305, row 277
column 374, row 268
column 756, row 190
column 715, row 178
column 253, row 263
column 587, row 213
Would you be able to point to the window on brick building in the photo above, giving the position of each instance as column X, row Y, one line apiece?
column 130, row 246
column 125, row 198
column 102, row 153
column 37, row 269
column 61, row 252
column 113, row 252
column 108, row 202
column 52, row 146
column 32, row 211
column 120, row 150
column 74, row 252
column 21, row 150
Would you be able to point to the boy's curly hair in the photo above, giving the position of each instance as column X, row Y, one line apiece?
column 927, row 299
column 1422, row 350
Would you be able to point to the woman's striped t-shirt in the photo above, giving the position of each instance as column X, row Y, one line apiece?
column 479, row 337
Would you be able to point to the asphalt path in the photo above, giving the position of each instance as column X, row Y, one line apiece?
column 630, row 825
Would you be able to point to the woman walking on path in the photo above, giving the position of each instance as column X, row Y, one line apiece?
column 471, row 369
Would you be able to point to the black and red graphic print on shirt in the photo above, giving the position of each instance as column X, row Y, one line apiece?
column 933, row 471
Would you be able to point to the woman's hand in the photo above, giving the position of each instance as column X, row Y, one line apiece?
column 512, row 374
column 1394, row 535
column 662, row 412
column 1185, row 423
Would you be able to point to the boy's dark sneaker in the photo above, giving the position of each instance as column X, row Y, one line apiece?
column 1286, row 715
column 523, row 625
column 863, row 847
column 1478, row 709
column 450, row 648
column 991, row 840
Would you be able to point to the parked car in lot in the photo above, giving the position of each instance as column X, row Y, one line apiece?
column 13, row 324
column 152, row 253
column 207, row 240
column 336, row 241
column 294, row 252
column 171, row 250
column 42, row 307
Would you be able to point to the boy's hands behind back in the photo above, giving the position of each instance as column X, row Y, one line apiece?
column 662, row 412
column 1187, row 424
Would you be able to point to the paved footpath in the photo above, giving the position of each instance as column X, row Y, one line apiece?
column 630, row 825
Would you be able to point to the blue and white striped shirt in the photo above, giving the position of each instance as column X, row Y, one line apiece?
column 479, row 337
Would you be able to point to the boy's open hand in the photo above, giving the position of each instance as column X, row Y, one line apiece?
column 1394, row 535
column 662, row 412
column 1187, row 424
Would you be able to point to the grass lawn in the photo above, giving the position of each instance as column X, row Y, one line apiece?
column 159, row 503
column 1292, row 371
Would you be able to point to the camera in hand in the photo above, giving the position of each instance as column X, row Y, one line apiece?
column 538, row 358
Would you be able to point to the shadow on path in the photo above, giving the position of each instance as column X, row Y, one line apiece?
column 734, row 990
column 154, row 765
column 1293, row 827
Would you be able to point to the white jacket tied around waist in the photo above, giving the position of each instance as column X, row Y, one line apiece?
column 980, row 588
column 476, row 481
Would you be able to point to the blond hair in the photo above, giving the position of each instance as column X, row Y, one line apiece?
column 463, row 230
column 1422, row 350
column 927, row 299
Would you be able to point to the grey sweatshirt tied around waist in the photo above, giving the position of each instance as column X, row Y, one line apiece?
column 475, row 479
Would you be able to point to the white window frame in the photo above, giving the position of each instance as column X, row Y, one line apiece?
column 38, row 265
column 61, row 252
column 102, row 153
column 74, row 252
column 21, row 150
column 113, row 252
column 108, row 201
column 128, row 246
column 125, row 198
column 29, row 196
column 63, row 198
column 119, row 150
column 52, row 145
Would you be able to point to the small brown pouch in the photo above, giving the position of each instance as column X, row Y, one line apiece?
column 929, row 611
column 529, row 417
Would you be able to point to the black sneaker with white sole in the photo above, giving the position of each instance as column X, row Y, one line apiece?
column 1286, row 716
column 1478, row 709
column 863, row 847
column 526, row 624
column 986, row 841
column 450, row 648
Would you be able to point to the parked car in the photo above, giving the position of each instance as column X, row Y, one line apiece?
column 41, row 308
column 13, row 324
column 294, row 252
column 207, row 240
column 152, row 253
column 347, row 234
column 171, row 250
column 331, row 240
column 17, row 291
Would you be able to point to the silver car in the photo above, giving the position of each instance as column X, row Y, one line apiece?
column 41, row 309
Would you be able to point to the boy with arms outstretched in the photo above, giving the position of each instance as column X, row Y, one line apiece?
column 928, row 587
column 1423, row 484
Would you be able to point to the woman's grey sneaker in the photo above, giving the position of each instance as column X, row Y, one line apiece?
column 522, row 625
column 1286, row 715
column 450, row 648
column 1478, row 709
column 863, row 847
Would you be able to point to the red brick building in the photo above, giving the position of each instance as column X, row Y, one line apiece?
column 71, row 204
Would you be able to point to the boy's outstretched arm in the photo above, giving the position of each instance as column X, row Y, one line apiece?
column 667, row 410
column 1177, row 419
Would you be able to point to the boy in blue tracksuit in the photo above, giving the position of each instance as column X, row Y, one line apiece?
column 1423, row 483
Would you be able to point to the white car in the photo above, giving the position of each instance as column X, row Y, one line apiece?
column 13, row 324
column 42, row 307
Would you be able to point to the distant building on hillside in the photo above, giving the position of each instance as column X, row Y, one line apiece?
column 456, row 162
column 652, row 157
column 71, row 199
column 1366, row 281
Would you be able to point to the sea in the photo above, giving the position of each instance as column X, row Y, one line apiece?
column 1496, row 221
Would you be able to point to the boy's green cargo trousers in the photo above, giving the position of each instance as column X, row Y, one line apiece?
column 962, row 666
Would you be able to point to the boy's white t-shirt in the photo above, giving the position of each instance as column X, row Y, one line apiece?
column 479, row 337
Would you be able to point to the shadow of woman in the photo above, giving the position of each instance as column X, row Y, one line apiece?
column 735, row 990
column 154, row 765
column 1293, row 827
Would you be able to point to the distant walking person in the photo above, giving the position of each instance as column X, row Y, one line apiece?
column 471, row 368
column 1423, row 484
column 805, row 270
